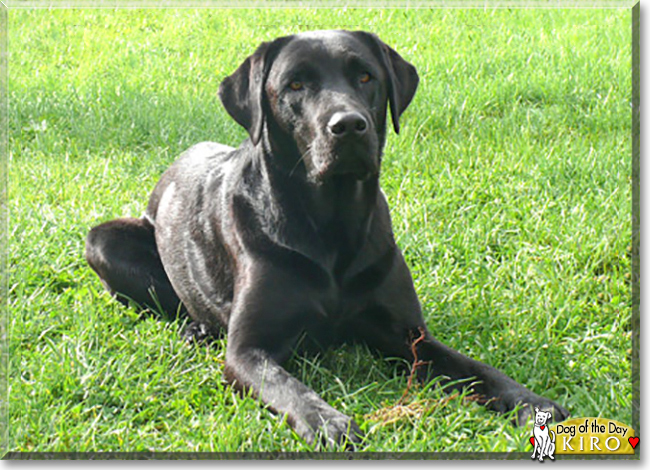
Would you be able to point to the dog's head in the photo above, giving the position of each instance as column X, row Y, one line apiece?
column 541, row 417
column 320, row 99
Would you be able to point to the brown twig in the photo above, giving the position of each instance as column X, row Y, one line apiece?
column 416, row 363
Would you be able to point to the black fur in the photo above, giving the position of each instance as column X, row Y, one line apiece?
column 289, row 234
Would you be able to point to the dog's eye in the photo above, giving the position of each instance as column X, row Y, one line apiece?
column 296, row 85
column 365, row 77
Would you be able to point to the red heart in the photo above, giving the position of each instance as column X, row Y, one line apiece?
column 532, row 441
column 634, row 441
column 542, row 427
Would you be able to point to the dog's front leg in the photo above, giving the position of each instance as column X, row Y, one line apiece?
column 543, row 449
column 537, row 449
column 266, row 320
column 395, row 326
column 498, row 391
column 308, row 414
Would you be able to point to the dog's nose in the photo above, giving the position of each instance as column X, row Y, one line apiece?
column 342, row 124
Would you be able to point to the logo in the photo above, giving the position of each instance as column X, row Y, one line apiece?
column 543, row 439
column 581, row 436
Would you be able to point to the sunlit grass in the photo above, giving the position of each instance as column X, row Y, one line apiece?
column 509, row 187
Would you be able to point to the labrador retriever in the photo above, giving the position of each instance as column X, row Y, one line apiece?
column 287, row 239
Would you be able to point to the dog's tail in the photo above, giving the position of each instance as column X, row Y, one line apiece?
column 551, row 435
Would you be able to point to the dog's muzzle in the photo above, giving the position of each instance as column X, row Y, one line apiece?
column 344, row 125
column 352, row 147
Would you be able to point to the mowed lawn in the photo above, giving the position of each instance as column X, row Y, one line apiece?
column 509, row 187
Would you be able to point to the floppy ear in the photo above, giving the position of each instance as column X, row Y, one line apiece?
column 242, row 92
column 402, row 77
column 536, row 410
column 548, row 415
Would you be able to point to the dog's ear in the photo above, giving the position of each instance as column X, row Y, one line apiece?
column 549, row 415
column 536, row 410
column 402, row 76
column 242, row 93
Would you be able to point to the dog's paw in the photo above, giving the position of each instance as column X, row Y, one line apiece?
column 196, row 332
column 525, row 402
column 526, row 410
column 328, row 428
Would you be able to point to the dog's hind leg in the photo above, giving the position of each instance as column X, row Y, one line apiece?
column 550, row 451
column 123, row 253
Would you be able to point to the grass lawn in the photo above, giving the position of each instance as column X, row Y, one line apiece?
column 510, row 192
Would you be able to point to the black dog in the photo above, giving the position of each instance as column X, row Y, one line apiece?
column 289, row 236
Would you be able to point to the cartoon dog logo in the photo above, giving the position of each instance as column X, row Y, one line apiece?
column 543, row 439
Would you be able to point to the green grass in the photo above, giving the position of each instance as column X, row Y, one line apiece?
column 510, row 194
